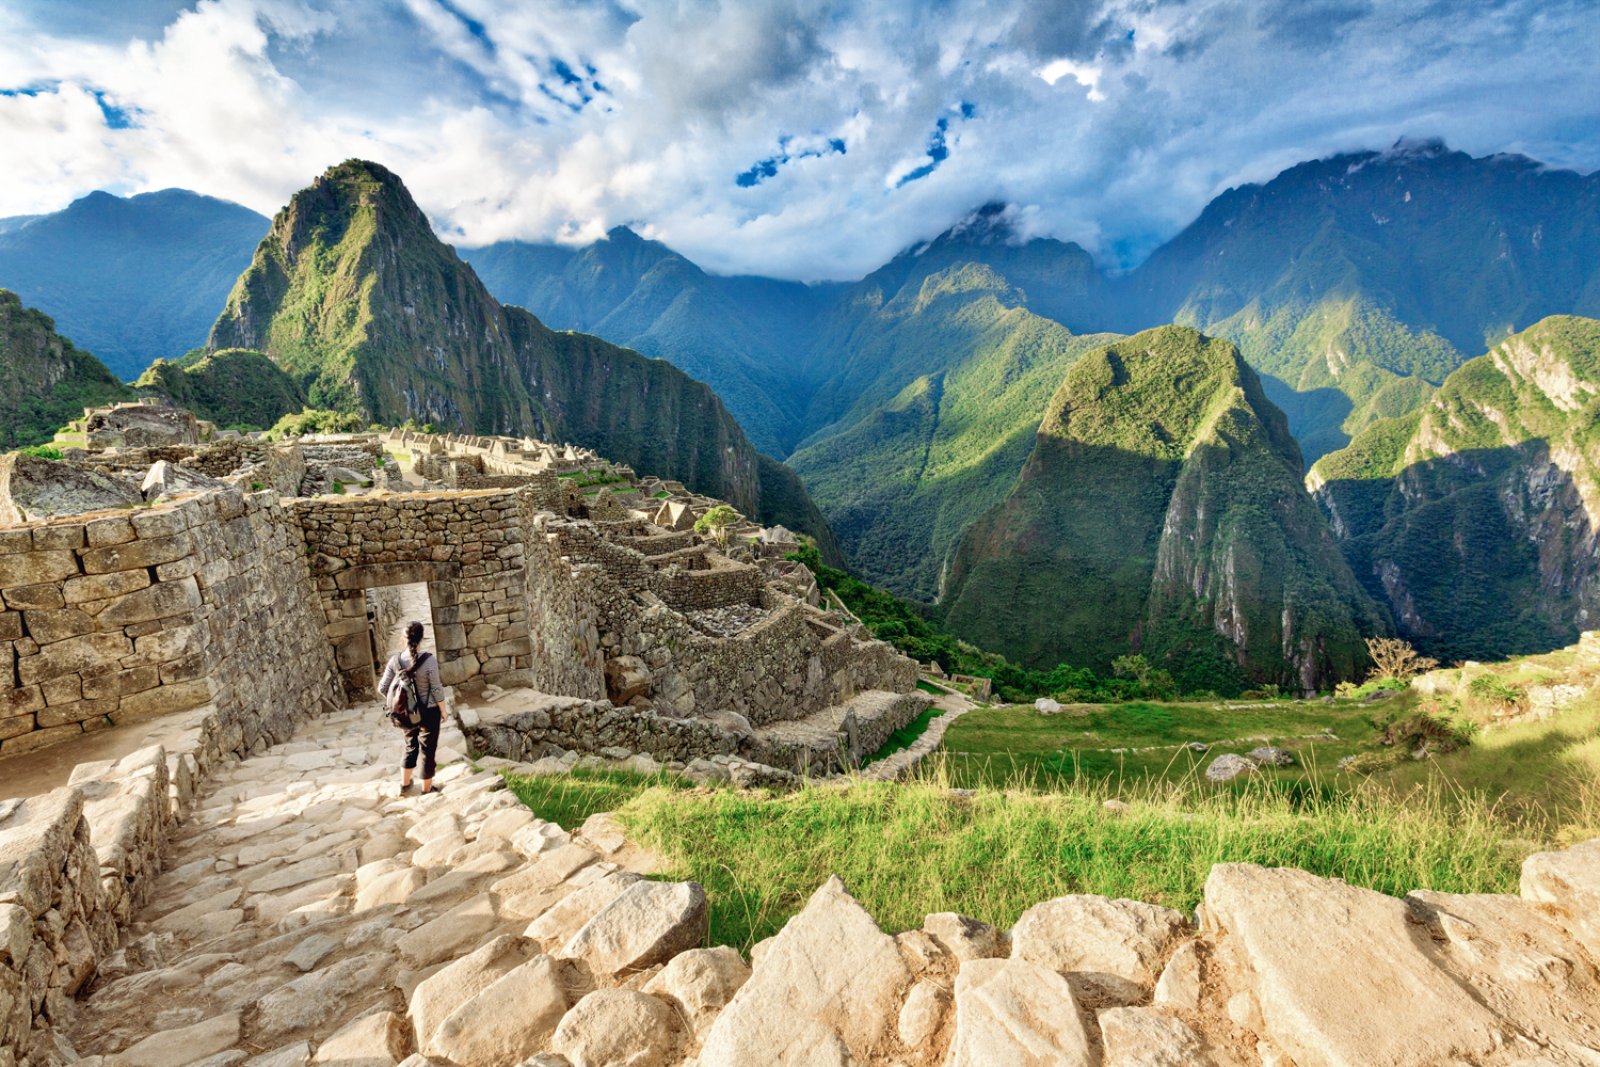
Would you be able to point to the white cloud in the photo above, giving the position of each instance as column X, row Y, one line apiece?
column 1084, row 74
column 565, row 118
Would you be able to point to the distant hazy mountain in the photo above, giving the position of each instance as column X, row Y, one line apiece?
column 355, row 297
column 1477, row 517
column 44, row 380
column 748, row 335
column 131, row 279
column 1162, row 510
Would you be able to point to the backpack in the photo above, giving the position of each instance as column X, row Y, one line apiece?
column 403, row 704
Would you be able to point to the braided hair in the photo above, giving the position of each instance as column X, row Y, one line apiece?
column 413, row 639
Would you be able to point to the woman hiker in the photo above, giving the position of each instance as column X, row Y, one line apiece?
column 424, row 669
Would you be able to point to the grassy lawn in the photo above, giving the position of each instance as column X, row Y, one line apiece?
column 910, row 849
column 991, row 746
column 907, row 735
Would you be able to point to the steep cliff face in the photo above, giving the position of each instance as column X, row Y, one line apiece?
column 1477, row 518
column 1161, row 511
column 44, row 380
column 354, row 296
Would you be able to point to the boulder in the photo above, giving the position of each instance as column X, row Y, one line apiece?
column 346, row 476
column 375, row 1040
column 626, row 678
column 511, row 1019
column 165, row 479
column 1270, row 756
column 1112, row 951
column 441, row 993
column 33, row 490
column 619, row 1028
column 1149, row 1037
column 825, row 988
column 1046, row 706
column 1228, row 766
column 700, row 982
column 647, row 925
column 1569, row 881
column 1341, row 977
column 1016, row 1013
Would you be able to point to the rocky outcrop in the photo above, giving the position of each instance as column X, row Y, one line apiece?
column 44, row 380
column 34, row 490
column 1477, row 518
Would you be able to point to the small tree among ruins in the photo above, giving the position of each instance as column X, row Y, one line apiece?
column 1393, row 658
column 717, row 523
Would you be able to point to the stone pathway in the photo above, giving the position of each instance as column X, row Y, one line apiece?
column 304, row 902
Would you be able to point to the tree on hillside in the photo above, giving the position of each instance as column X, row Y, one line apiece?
column 1396, row 659
column 718, row 523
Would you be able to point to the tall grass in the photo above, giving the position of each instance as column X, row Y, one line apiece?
column 906, row 850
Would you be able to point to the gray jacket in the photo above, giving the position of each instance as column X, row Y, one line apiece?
column 429, row 689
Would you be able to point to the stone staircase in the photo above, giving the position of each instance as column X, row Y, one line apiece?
column 837, row 738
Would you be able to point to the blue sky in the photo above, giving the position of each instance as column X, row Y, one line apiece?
column 802, row 139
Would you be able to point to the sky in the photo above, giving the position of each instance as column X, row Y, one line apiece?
column 789, row 138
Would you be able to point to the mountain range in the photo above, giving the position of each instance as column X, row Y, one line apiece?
column 917, row 403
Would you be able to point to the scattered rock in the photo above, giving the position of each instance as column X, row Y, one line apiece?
column 510, row 1020
column 700, row 982
column 1111, row 950
column 826, row 987
column 376, row 1040
column 33, row 490
column 966, row 938
column 1016, row 1013
column 447, row 989
column 1046, row 706
column 923, row 1013
column 1149, row 1037
column 1228, row 766
column 648, row 924
column 619, row 1028
column 1270, row 756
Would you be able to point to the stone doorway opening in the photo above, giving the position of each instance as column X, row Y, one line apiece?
column 390, row 609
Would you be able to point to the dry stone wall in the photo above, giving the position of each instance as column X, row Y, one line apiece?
column 468, row 548
column 120, row 617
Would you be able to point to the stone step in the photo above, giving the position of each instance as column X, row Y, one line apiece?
column 836, row 738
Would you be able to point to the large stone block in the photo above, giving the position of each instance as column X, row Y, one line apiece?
column 32, row 568
column 153, row 602
column 163, row 700
column 148, row 552
column 58, row 624
column 72, row 656
column 102, row 586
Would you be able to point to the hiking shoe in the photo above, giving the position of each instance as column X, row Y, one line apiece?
column 407, row 789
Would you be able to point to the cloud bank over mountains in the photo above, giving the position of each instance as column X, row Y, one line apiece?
column 792, row 138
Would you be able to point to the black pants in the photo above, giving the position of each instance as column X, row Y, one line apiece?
column 426, row 738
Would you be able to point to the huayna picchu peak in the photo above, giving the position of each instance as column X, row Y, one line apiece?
column 353, row 294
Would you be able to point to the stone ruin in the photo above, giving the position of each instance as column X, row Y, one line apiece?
column 248, row 890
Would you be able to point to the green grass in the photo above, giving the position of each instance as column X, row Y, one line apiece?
column 991, row 746
column 906, row 850
column 568, row 799
column 907, row 735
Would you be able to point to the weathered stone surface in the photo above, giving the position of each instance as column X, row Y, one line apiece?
column 447, row 989
column 966, row 938
column 561, row 920
column 1178, row 987
column 700, row 982
column 443, row 937
column 830, row 971
column 512, row 1018
column 648, row 924
column 923, row 1013
column 317, row 997
column 379, row 1039
column 1371, row 995
column 1016, row 1013
column 1570, row 881
column 32, row 490
column 618, row 1028
column 174, row 1048
column 1111, row 950
column 1149, row 1037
